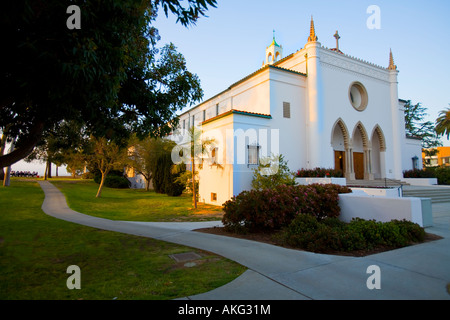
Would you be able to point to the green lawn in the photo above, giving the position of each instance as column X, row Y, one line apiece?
column 133, row 204
column 35, row 251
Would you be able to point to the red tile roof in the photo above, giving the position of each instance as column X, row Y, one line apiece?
column 234, row 111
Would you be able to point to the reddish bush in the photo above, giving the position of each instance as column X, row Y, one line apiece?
column 272, row 209
column 319, row 173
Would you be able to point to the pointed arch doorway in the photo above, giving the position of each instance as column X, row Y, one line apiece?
column 378, row 153
column 341, row 147
column 358, row 140
column 362, row 161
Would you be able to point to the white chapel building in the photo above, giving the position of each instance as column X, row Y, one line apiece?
column 317, row 107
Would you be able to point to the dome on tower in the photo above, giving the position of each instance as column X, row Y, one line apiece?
column 274, row 52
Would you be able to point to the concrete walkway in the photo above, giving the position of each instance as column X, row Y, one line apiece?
column 275, row 273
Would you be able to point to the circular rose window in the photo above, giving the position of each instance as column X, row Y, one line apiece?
column 358, row 96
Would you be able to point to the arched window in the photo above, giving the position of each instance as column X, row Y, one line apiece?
column 277, row 56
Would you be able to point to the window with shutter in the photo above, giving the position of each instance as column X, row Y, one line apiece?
column 286, row 110
column 253, row 156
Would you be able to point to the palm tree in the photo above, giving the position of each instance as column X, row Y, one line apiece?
column 443, row 123
column 198, row 147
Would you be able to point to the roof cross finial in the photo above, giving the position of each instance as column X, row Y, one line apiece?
column 336, row 35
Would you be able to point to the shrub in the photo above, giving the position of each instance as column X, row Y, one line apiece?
column 319, row 173
column 412, row 231
column 258, row 211
column 273, row 209
column 306, row 232
column 117, row 182
column 416, row 173
column 267, row 177
column 441, row 173
column 175, row 188
column 87, row 175
column 114, row 179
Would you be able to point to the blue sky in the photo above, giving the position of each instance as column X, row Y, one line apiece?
column 230, row 43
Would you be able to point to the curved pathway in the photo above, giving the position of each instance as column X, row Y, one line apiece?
column 416, row 272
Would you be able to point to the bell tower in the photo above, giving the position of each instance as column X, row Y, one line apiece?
column 274, row 52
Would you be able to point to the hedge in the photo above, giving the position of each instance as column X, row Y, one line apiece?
column 308, row 233
column 319, row 173
column 114, row 179
column 441, row 173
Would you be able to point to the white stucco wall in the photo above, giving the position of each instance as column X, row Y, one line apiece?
column 381, row 209
column 411, row 148
column 339, row 72
column 250, row 130
column 289, row 88
column 213, row 178
column 232, row 134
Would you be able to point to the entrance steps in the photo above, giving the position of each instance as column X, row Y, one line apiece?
column 437, row 194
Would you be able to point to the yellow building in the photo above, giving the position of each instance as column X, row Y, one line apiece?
column 441, row 158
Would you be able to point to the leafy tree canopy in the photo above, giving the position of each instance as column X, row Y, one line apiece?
column 417, row 126
column 109, row 73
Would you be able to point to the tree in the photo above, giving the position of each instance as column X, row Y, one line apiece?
column 166, row 176
column 61, row 144
column 145, row 153
column 417, row 126
column 75, row 160
column 443, row 123
column 106, row 73
column 271, row 172
column 45, row 151
column 105, row 156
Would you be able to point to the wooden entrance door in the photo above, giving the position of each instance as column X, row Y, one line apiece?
column 339, row 161
column 358, row 165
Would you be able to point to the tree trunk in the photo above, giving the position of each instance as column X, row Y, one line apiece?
column 147, row 183
column 102, row 182
column 194, row 192
column 72, row 172
column 49, row 173
column 46, row 171
column 7, row 177
column 25, row 148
